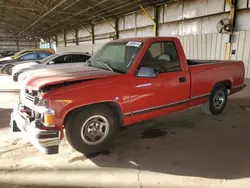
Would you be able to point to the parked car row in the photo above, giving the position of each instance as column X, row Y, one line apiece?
column 7, row 63
column 58, row 60
column 124, row 82
column 7, row 53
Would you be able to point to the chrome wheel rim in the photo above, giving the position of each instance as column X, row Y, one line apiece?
column 219, row 99
column 94, row 130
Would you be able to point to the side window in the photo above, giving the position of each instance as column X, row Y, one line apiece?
column 63, row 59
column 30, row 56
column 43, row 55
column 79, row 58
column 163, row 57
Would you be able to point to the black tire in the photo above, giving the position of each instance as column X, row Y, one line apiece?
column 217, row 100
column 8, row 69
column 3, row 71
column 75, row 129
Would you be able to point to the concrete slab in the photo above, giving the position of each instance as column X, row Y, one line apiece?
column 186, row 149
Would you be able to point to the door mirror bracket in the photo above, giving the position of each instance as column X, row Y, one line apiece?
column 147, row 72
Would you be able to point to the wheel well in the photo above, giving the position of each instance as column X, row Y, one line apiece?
column 226, row 83
column 112, row 105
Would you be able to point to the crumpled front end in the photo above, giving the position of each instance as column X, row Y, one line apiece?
column 33, row 116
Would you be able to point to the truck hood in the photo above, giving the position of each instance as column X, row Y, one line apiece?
column 37, row 82
column 51, row 70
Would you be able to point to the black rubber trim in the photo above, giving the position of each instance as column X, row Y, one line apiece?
column 48, row 135
column 156, row 108
column 200, row 97
column 51, row 150
column 164, row 106
column 14, row 126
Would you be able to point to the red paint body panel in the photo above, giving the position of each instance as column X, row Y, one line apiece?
column 205, row 76
column 139, row 98
column 88, row 73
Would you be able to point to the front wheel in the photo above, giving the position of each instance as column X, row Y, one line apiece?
column 8, row 69
column 92, row 129
column 3, row 71
column 217, row 100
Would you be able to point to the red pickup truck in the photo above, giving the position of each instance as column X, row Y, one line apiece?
column 124, row 82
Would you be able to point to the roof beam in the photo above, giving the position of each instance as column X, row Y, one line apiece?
column 77, row 23
column 78, row 13
column 97, row 14
column 65, row 8
column 41, row 17
column 34, row 9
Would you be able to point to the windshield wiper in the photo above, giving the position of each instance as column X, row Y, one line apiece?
column 38, row 62
column 106, row 65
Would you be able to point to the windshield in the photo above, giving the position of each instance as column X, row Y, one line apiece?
column 116, row 56
column 47, row 59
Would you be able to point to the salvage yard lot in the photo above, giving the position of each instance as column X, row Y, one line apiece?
column 186, row 149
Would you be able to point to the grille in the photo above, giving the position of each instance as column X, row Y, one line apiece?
column 31, row 96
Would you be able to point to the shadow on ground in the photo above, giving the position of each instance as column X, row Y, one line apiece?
column 7, row 185
column 4, row 117
column 189, row 143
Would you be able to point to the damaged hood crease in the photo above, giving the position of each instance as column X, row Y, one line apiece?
column 62, row 78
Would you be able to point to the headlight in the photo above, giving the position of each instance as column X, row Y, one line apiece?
column 45, row 103
column 48, row 114
column 39, row 101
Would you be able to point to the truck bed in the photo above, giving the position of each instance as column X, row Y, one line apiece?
column 205, row 76
column 192, row 62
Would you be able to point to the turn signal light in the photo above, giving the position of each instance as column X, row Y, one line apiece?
column 49, row 120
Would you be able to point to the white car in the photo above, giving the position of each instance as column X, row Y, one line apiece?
column 6, row 58
column 60, row 60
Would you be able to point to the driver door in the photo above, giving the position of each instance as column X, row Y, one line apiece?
column 168, row 91
column 146, row 91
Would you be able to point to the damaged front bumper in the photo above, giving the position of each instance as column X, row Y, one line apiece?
column 47, row 141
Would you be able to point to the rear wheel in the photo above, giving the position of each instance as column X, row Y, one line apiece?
column 92, row 129
column 217, row 100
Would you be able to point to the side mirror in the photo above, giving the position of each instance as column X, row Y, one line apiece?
column 51, row 63
column 148, row 72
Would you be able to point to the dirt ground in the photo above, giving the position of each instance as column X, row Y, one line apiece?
column 187, row 149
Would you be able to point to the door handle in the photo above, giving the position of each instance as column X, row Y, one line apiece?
column 182, row 79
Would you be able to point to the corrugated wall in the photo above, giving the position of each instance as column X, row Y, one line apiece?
column 213, row 47
column 192, row 21
column 7, row 42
